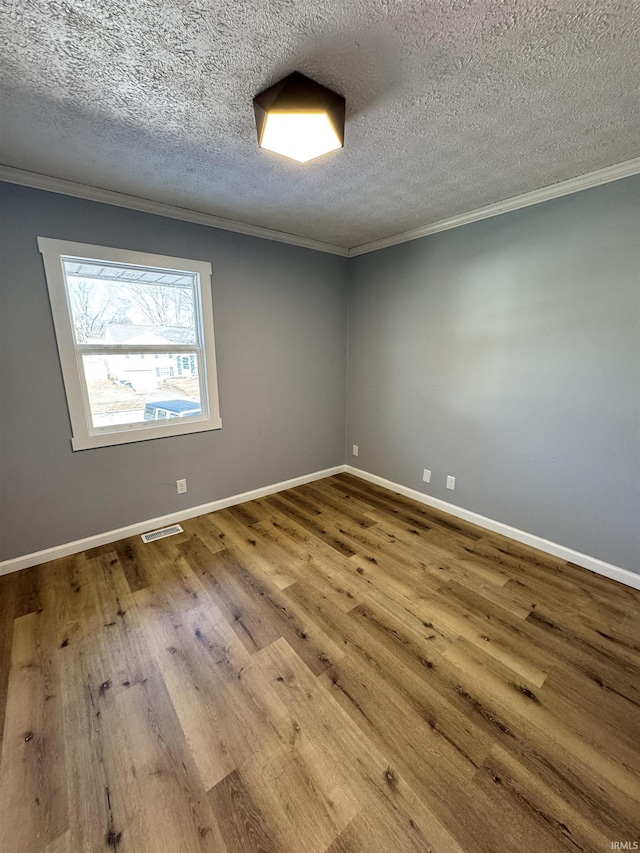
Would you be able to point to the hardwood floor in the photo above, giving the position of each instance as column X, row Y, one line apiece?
column 333, row 668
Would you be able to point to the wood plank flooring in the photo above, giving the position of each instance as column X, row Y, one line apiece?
column 333, row 668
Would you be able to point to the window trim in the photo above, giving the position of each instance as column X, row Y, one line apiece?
column 84, row 436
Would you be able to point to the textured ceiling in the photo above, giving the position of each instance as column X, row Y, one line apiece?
column 451, row 104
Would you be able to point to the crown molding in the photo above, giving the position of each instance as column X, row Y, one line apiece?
column 58, row 185
column 573, row 185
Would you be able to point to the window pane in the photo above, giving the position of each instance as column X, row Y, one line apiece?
column 124, row 388
column 121, row 304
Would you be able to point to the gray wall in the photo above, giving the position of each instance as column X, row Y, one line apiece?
column 507, row 353
column 280, row 323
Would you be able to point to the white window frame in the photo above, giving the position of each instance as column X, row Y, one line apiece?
column 84, row 435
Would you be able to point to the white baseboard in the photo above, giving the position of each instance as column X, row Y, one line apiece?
column 616, row 573
column 79, row 545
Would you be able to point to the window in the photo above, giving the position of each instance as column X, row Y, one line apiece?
column 136, row 344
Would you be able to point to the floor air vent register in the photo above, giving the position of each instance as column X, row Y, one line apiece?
column 162, row 533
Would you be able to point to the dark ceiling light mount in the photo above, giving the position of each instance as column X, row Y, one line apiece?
column 299, row 118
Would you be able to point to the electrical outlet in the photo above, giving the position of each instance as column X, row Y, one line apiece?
column 426, row 476
column 181, row 486
column 355, row 450
column 451, row 482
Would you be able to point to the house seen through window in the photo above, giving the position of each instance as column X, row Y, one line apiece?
column 135, row 336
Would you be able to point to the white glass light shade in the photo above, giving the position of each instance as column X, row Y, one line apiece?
column 302, row 136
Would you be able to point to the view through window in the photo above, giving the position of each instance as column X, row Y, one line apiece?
column 116, row 307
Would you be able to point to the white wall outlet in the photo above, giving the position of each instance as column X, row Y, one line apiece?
column 181, row 486
column 451, row 482
column 355, row 450
column 426, row 476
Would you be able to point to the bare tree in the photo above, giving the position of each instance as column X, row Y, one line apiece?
column 165, row 306
column 94, row 308
column 98, row 304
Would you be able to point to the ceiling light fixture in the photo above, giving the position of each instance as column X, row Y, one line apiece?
column 299, row 118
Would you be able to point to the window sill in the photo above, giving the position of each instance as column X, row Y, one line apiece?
column 129, row 436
